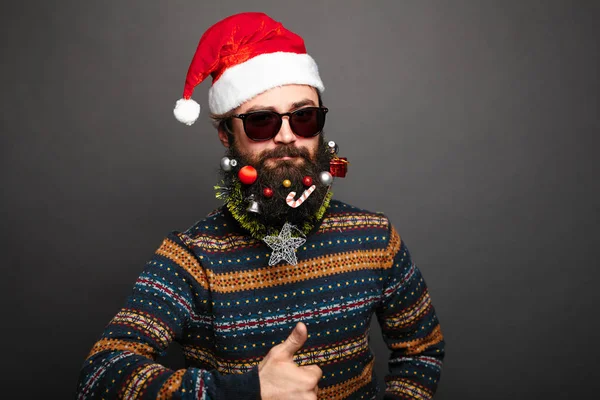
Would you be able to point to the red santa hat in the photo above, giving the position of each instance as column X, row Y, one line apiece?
column 246, row 54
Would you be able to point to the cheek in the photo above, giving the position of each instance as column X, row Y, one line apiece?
column 256, row 147
column 312, row 144
column 251, row 149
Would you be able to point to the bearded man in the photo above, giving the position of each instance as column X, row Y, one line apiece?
column 270, row 296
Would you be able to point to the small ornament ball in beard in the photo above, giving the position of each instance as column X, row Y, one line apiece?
column 269, row 192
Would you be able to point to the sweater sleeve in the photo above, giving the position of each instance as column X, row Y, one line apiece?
column 410, row 329
column 167, row 296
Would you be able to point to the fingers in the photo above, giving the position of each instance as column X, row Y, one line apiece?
column 295, row 340
column 314, row 370
column 313, row 373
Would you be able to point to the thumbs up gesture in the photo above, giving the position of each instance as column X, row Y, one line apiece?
column 281, row 378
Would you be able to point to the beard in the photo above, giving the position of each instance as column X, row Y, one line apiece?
column 275, row 211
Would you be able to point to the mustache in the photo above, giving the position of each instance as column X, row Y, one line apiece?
column 285, row 151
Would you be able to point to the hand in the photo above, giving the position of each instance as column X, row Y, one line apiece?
column 281, row 378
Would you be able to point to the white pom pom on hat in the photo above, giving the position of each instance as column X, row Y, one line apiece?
column 246, row 54
column 186, row 111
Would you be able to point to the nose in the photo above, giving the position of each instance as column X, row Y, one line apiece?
column 285, row 134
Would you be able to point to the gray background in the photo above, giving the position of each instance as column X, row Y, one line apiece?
column 472, row 124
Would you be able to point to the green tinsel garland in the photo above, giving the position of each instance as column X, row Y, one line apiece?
column 234, row 201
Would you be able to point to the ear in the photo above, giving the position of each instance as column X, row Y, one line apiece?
column 223, row 136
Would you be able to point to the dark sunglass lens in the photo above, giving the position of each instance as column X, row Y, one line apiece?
column 308, row 122
column 262, row 125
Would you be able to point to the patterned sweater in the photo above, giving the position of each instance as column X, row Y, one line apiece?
column 211, row 289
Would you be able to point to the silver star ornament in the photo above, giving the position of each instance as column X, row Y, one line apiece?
column 284, row 245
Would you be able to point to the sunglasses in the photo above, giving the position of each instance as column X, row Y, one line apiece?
column 265, row 125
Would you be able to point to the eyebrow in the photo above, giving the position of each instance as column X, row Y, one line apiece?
column 298, row 104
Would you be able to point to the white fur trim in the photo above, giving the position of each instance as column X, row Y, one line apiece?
column 186, row 111
column 242, row 82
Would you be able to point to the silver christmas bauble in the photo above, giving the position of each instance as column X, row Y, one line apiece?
column 226, row 164
column 233, row 162
column 325, row 178
column 333, row 147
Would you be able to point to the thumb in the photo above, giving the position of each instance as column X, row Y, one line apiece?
column 296, row 340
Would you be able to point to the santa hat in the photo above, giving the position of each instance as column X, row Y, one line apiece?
column 246, row 54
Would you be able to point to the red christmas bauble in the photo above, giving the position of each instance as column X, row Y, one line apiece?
column 268, row 192
column 307, row 181
column 247, row 175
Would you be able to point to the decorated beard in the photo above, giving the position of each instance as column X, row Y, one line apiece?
column 263, row 195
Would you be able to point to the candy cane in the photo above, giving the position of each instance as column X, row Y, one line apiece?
column 295, row 203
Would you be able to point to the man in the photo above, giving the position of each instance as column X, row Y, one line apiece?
column 270, row 296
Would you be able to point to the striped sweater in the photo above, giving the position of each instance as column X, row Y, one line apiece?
column 211, row 289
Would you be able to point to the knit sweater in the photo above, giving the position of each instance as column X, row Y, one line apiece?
column 212, row 290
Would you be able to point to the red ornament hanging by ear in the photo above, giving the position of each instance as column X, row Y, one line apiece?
column 247, row 175
column 338, row 167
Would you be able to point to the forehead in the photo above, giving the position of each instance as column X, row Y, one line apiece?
column 281, row 98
